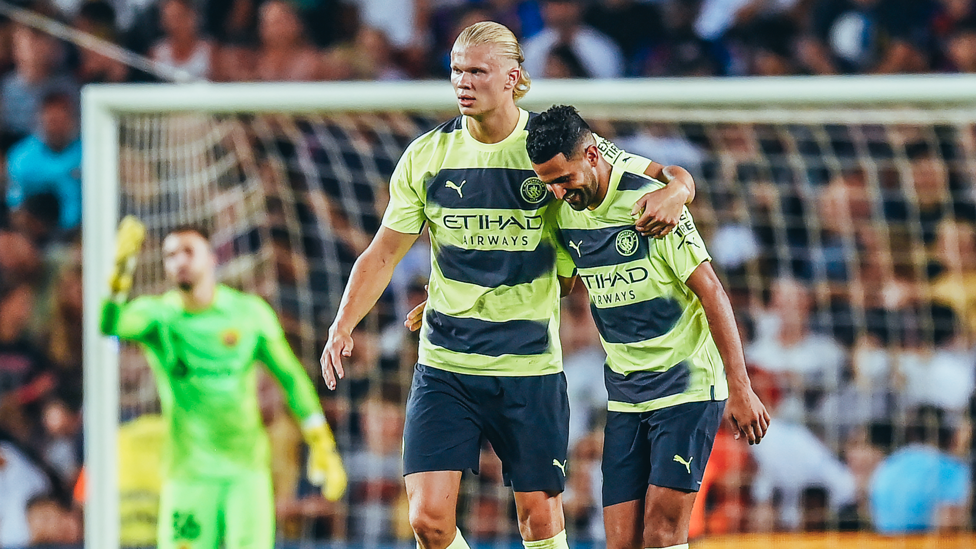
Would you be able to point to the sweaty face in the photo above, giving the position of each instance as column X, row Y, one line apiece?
column 482, row 79
column 573, row 180
column 187, row 259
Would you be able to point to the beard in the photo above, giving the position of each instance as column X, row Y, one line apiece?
column 577, row 199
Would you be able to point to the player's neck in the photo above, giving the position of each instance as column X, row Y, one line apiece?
column 199, row 298
column 494, row 126
column 603, row 169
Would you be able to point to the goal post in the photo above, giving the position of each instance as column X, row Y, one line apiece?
column 927, row 100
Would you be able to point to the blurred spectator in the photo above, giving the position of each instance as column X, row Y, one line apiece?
column 97, row 17
column 404, row 22
column 38, row 218
column 375, row 470
column 583, row 498
column 37, row 74
column 23, row 377
column 632, row 24
column 937, row 371
column 808, row 364
column 61, row 447
column 867, row 36
column 21, row 480
column 283, row 54
column 950, row 23
column 49, row 161
column 369, row 57
column 926, row 199
column 923, row 486
column 141, row 450
column 20, row 260
column 595, row 53
column 183, row 48
column 679, row 51
column 955, row 285
column 791, row 460
column 755, row 36
column 960, row 48
column 52, row 523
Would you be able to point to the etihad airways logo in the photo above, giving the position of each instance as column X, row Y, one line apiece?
column 492, row 222
column 601, row 281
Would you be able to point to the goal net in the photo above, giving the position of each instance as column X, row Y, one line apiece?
column 839, row 213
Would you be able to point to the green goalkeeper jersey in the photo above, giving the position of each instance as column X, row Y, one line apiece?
column 205, row 369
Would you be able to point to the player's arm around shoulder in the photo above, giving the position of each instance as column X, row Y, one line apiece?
column 744, row 410
column 660, row 210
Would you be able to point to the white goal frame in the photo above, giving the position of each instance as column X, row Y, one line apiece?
column 103, row 104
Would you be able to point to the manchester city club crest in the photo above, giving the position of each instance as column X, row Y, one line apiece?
column 533, row 190
column 627, row 242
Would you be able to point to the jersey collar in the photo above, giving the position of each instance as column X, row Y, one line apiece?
column 516, row 133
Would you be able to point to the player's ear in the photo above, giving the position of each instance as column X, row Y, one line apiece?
column 513, row 78
column 592, row 154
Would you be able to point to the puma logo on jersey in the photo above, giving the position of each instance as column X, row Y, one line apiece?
column 576, row 246
column 452, row 185
column 681, row 460
column 562, row 466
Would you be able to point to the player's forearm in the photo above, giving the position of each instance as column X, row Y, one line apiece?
column 677, row 178
column 721, row 324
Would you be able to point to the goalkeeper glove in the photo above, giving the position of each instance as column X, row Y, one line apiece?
column 127, row 246
column 324, row 464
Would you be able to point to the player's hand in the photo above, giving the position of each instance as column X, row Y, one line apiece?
column 415, row 318
column 660, row 210
column 128, row 243
column 747, row 416
column 324, row 464
column 339, row 345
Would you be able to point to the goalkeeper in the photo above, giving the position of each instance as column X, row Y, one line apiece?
column 202, row 340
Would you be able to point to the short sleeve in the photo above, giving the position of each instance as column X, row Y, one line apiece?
column 683, row 249
column 405, row 213
column 565, row 267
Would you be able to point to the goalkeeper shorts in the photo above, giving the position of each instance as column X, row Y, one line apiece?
column 203, row 513
column 525, row 418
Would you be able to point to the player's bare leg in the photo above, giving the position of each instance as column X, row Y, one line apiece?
column 432, row 497
column 540, row 515
column 667, row 516
column 624, row 524
column 662, row 520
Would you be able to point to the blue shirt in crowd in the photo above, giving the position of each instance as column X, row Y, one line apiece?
column 34, row 168
column 908, row 488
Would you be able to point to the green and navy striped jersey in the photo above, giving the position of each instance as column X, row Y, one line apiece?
column 493, row 297
column 659, row 349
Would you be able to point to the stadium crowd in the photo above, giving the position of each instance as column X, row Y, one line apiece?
column 854, row 280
